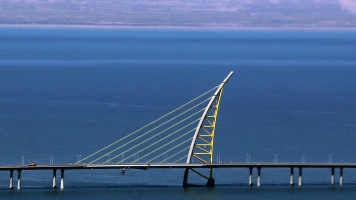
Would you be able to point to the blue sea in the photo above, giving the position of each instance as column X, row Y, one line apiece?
column 65, row 93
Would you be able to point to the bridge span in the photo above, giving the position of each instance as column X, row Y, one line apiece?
column 146, row 166
column 191, row 166
column 185, row 140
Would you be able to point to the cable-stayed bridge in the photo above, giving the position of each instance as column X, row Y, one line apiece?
column 182, row 138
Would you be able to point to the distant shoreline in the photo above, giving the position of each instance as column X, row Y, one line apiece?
column 218, row 28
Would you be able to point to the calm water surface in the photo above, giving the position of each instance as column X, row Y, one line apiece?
column 67, row 93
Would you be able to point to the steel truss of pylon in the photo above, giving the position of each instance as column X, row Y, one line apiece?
column 202, row 145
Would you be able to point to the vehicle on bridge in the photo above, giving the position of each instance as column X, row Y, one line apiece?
column 32, row 164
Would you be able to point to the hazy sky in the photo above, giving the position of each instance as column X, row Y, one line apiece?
column 228, row 13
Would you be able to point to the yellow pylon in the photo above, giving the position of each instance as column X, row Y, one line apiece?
column 202, row 146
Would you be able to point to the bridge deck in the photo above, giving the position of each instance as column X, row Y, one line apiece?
column 167, row 165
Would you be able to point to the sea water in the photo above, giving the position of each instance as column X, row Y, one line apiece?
column 65, row 93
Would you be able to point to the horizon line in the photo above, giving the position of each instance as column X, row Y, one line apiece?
column 161, row 27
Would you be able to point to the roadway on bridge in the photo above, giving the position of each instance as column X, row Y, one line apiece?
column 168, row 165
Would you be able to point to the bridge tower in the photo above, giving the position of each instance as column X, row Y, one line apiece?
column 202, row 146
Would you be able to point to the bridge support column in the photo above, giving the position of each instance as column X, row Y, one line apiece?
column 11, row 179
column 62, row 179
column 258, row 176
column 250, row 177
column 185, row 179
column 300, row 177
column 211, row 180
column 341, row 175
column 210, row 183
column 291, row 181
column 332, row 176
column 18, row 179
column 54, row 179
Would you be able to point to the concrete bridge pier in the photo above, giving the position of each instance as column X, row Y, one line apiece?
column 211, row 180
column 18, row 179
column 341, row 175
column 291, row 181
column 210, row 183
column 332, row 176
column 258, row 176
column 62, row 179
column 300, row 177
column 250, row 177
column 11, row 179
column 54, row 179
